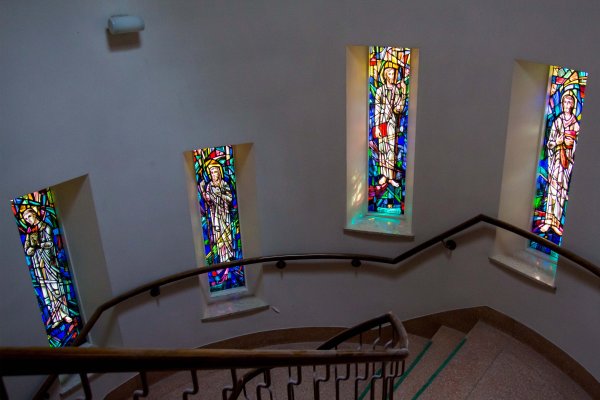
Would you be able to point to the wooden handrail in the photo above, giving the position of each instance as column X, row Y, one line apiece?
column 355, row 258
column 401, row 340
column 389, row 346
column 586, row 264
column 73, row 360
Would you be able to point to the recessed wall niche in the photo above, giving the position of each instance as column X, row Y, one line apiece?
column 543, row 126
column 74, row 205
column 358, row 190
column 247, row 298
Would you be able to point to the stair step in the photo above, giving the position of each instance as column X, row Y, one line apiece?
column 417, row 346
column 519, row 372
column 509, row 378
column 327, row 389
column 486, row 364
column 443, row 343
column 210, row 382
column 484, row 343
column 493, row 365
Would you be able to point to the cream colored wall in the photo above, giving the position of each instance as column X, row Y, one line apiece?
column 273, row 73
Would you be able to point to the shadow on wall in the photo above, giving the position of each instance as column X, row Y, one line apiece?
column 123, row 42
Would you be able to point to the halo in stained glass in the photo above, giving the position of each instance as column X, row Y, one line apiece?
column 48, row 265
column 388, row 93
column 564, row 103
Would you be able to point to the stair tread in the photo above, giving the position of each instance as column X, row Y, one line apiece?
column 490, row 365
column 444, row 342
column 510, row 378
column 550, row 372
column 484, row 343
column 305, row 390
column 415, row 345
column 171, row 387
column 493, row 365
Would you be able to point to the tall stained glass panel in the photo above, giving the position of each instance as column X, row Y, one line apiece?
column 388, row 92
column 46, row 258
column 566, row 93
column 215, row 176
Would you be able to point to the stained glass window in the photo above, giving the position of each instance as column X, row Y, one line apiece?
column 566, row 92
column 388, row 91
column 215, row 176
column 46, row 258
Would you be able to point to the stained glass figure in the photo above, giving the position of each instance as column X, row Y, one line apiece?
column 566, row 92
column 389, row 88
column 215, row 176
column 46, row 258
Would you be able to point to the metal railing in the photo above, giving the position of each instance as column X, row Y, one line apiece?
column 356, row 260
column 368, row 356
column 281, row 260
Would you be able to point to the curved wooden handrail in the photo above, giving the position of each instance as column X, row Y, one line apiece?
column 588, row 265
column 400, row 337
column 72, row 360
column 355, row 258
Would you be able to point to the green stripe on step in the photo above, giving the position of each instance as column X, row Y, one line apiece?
column 441, row 367
column 412, row 365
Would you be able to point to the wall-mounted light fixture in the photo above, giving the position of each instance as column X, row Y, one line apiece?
column 118, row 24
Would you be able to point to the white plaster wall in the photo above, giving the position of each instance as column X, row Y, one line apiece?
column 273, row 73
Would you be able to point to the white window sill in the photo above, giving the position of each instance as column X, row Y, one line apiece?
column 233, row 306
column 532, row 264
column 381, row 224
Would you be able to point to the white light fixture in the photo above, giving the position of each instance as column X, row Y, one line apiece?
column 118, row 24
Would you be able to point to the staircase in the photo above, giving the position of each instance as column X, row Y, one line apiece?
column 460, row 358
column 488, row 364
column 483, row 363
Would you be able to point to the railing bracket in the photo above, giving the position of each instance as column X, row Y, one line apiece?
column 280, row 264
column 449, row 244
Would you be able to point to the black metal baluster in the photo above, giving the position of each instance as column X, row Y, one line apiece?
column 195, row 386
column 85, row 384
column 145, row 389
column 3, row 391
column 293, row 382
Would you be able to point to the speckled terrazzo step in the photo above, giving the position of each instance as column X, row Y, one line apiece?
column 493, row 365
column 327, row 390
column 489, row 365
column 417, row 345
column 443, row 344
